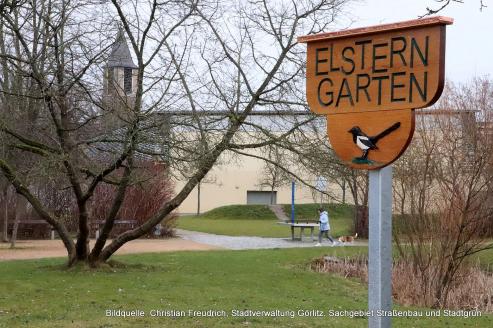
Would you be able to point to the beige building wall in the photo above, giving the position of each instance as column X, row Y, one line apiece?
column 227, row 184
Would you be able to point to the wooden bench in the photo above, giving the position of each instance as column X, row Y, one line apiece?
column 99, row 224
column 302, row 227
column 40, row 222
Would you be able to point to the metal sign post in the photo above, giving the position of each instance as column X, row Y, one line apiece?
column 380, row 247
column 292, row 201
column 368, row 81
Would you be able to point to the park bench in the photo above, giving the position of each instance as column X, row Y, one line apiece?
column 99, row 224
column 302, row 226
column 29, row 232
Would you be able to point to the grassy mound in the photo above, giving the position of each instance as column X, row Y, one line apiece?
column 258, row 220
column 240, row 212
column 308, row 212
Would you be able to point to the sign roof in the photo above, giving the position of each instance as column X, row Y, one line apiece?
column 361, row 31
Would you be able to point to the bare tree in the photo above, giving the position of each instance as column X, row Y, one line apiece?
column 311, row 152
column 57, row 47
column 442, row 4
column 273, row 176
column 443, row 186
column 203, row 57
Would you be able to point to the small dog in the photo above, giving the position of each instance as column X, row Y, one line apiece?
column 348, row 239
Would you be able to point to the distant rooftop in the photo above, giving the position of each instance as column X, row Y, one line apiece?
column 444, row 111
column 120, row 53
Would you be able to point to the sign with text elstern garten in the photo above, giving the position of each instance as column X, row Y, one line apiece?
column 368, row 81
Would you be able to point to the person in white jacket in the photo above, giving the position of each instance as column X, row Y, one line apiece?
column 324, row 226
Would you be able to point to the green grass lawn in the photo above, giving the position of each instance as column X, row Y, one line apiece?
column 485, row 258
column 240, row 212
column 258, row 220
column 39, row 293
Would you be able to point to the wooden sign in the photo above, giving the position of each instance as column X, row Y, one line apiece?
column 368, row 81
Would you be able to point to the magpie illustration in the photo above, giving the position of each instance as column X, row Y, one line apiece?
column 366, row 143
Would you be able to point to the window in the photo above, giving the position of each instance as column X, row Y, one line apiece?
column 127, row 80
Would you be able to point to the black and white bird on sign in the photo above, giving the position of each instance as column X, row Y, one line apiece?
column 366, row 143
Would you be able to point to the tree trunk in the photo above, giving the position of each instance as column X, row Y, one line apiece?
column 361, row 221
column 15, row 228
column 198, row 199
column 5, row 235
column 82, row 245
column 344, row 191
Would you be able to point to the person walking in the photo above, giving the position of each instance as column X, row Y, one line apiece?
column 324, row 226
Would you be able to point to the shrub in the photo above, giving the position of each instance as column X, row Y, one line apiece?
column 472, row 288
column 151, row 189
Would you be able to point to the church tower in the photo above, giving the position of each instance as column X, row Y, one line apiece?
column 120, row 74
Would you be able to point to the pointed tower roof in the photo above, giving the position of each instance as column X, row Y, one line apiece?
column 120, row 54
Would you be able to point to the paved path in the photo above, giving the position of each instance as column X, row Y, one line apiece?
column 244, row 242
column 187, row 240
column 35, row 249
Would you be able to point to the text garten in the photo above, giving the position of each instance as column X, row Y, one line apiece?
column 371, row 71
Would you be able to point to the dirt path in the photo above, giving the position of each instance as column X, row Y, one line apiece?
column 35, row 249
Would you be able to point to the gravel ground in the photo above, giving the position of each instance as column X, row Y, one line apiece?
column 244, row 242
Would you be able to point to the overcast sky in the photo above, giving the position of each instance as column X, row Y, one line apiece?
column 469, row 40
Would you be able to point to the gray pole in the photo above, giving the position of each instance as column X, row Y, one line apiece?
column 198, row 199
column 380, row 247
